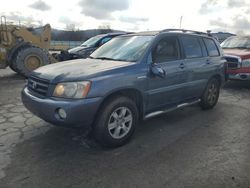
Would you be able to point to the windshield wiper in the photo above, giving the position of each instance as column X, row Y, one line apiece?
column 104, row 58
column 239, row 47
column 108, row 58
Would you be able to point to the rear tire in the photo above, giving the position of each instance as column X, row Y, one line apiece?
column 28, row 59
column 211, row 94
column 116, row 122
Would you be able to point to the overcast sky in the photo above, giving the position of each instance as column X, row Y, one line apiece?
column 133, row 15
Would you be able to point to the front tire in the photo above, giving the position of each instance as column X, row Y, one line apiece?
column 116, row 122
column 28, row 59
column 211, row 94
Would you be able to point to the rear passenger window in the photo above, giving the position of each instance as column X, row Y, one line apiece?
column 211, row 47
column 192, row 47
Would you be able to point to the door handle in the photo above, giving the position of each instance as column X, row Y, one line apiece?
column 208, row 61
column 182, row 66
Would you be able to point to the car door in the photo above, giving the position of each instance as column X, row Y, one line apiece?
column 167, row 90
column 196, row 66
column 214, row 61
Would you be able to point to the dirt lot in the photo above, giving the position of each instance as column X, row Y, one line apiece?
column 185, row 148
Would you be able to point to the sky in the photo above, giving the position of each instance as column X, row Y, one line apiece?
column 132, row 15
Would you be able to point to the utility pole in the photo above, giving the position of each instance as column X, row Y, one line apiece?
column 181, row 21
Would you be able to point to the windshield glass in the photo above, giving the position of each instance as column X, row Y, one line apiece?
column 126, row 48
column 236, row 42
column 91, row 42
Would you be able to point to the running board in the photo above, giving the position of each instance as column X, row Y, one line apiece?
column 156, row 113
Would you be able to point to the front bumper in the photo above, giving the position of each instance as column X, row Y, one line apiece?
column 242, row 73
column 79, row 112
column 239, row 76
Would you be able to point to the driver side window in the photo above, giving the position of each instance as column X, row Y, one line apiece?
column 166, row 50
column 104, row 40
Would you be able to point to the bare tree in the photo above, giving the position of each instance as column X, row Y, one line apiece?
column 70, row 27
column 104, row 26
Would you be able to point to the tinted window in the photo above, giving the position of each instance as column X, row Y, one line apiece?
column 104, row 40
column 166, row 50
column 211, row 47
column 92, row 41
column 237, row 42
column 192, row 47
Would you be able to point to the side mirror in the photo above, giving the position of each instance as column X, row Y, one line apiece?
column 158, row 70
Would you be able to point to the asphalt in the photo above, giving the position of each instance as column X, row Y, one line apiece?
column 186, row 148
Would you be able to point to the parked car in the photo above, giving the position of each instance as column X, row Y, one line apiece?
column 221, row 36
column 237, row 54
column 131, row 77
column 86, row 48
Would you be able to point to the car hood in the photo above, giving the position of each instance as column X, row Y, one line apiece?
column 243, row 53
column 79, row 69
column 77, row 49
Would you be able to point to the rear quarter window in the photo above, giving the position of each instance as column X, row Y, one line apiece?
column 191, row 46
column 211, row 47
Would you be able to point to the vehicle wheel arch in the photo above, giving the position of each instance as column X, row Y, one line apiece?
column 218, row 77
column 210, row 95
column 132, row 93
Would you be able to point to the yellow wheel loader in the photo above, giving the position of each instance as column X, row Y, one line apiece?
column 24, row 49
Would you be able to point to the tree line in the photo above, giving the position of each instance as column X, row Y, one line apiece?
column 60, row 35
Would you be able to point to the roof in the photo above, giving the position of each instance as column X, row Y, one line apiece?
column 116, row 34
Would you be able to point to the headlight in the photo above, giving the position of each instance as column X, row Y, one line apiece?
column 245, row 63
column 75, row 90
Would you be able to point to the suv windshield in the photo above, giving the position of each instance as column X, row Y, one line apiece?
column 236, row 42
column 91, row 42
column 126, row 48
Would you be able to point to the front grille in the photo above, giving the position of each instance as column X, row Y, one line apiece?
column 232, row 62
column 38, row 86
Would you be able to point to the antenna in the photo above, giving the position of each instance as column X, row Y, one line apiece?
column 181, row 21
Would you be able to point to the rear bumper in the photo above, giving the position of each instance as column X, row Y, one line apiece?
column 80, row 113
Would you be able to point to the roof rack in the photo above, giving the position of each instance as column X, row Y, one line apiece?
column 187, row 31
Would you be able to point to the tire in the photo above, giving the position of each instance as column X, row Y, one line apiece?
column 211, row 94
column 13, row 68
column 28, row 59
column 116, row 122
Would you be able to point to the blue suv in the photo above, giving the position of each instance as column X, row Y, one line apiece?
column 131, row 77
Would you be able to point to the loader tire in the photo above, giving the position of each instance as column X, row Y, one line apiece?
column 13, row 68
column 30, row 58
